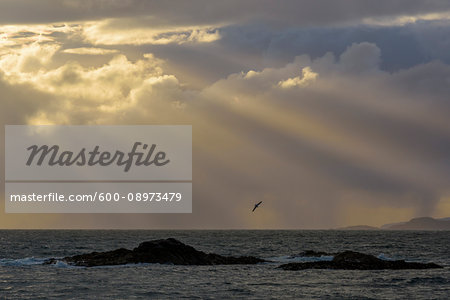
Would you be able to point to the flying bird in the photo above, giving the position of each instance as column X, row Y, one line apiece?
column 256, row 206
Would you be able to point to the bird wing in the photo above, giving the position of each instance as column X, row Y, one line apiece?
column 256, row 205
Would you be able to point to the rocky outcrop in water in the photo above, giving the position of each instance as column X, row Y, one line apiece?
column 313, row 253
column 165, row 251
column 349, row 260
column 172, row 251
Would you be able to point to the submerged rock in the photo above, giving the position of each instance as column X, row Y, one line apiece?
column 349, row 260
column 164, row 251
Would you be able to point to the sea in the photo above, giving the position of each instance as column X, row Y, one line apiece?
column 22, row 275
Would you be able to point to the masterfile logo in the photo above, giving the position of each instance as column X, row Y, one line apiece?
column 52, row 156
column 147, row 152
column 98, row 169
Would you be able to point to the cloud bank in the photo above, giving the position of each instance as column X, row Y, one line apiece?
column 327, row 118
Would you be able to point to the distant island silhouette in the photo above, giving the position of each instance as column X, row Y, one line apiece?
column 422, row 223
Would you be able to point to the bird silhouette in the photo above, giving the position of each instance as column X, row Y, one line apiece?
column 256, row 206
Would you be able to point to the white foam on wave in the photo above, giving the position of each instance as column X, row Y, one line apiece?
column 32, row 261
column 27, row 261
column 384, row 257
column 62, row 264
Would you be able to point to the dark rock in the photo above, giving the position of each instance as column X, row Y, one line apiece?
column 166, row 251
column 350, row 260
column 312, row 253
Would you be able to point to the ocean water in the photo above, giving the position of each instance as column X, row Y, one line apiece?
column 22, row 275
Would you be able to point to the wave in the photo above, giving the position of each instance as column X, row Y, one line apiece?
column 30, row 261
column 437, row 280
column 294, row 258
column 27, row 261
column 384, row 257
column 33, row 261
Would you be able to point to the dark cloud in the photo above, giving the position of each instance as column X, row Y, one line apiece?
column 290, row 12
column 401, row 46
column 257, row 46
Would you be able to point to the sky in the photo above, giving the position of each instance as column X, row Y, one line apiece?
column 333, row 113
